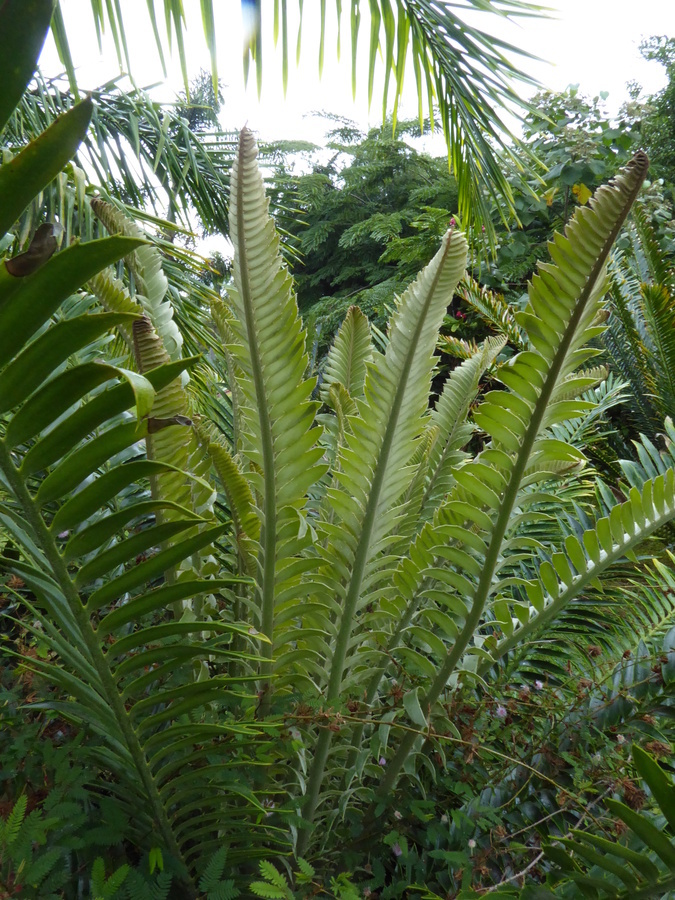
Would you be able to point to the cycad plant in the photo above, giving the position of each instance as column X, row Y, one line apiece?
column 250, row 668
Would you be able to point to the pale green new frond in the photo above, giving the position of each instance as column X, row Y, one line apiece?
column 449, row 420
column 171, row 444
column 224, row 318
column 561, row 316
column 240, row 499
column 155, row 341
column 347, row 358
column 280, row 438
column 151, row 283
column 373, row 471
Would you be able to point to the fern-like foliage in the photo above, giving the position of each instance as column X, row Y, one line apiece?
column 96, row 558
column 376, row 548
column 277, row 414
column 640, row 335
column 493, row 492
column 493, row 309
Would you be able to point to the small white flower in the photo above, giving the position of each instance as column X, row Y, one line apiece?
column 539, row 685
column 620, row 739
column 472, row 844
column 501, row 712
column 444, row 819
column 397, row 814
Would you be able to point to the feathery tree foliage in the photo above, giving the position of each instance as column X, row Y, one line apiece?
column 367, row 221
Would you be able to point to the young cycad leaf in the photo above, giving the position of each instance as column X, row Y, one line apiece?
column 240, row 499
column 561, row 316
column 372, row 472
column 347, row 358
column 494, row 309
column 224, row 318
column 451, row 430
column 277, row 413
column 112, row 294
column 151, row 283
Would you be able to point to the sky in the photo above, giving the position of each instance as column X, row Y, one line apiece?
column 593, row 43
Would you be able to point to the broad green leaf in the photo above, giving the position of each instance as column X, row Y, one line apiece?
column 37, row 164
column 24, row 25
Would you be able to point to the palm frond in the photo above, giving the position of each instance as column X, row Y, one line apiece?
column 464, row 69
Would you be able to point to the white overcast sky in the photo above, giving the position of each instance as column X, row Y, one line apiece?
column 590, row 42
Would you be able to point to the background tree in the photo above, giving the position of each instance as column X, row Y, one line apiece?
column 579, row 147
column 367, row 220
column 657, row 126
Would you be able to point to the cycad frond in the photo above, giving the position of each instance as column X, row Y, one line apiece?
column 151, row 284
column 493, row 309
column 277, row 413
column 372, row 472
column 640, row 337
column 348, row 356
column 451, row 431
column 561, row 317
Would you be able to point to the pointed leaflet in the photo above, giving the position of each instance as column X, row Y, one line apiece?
column 277, row 414
column 347, row 358
column 373, row 471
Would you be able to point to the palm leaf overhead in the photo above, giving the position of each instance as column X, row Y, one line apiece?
column 464, row 70
column 141, row 151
